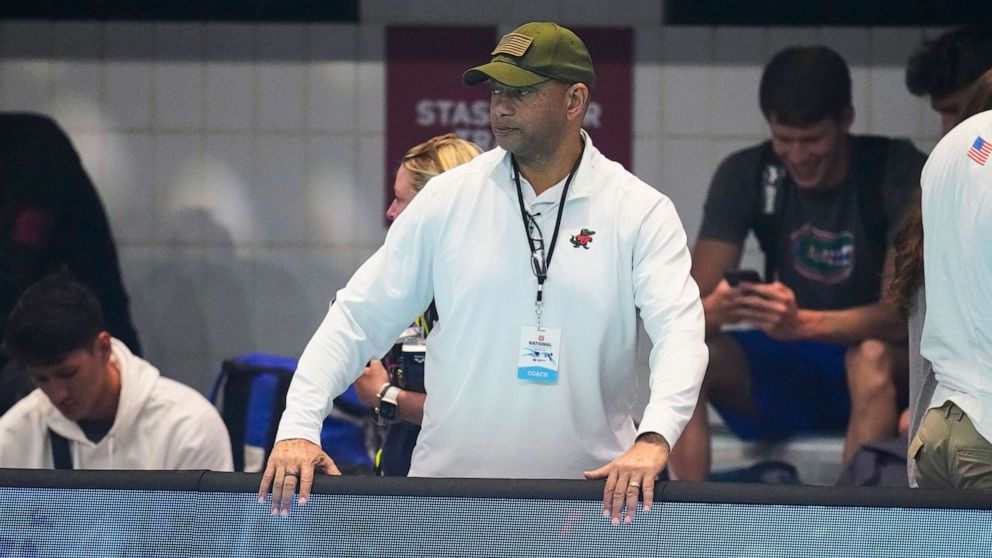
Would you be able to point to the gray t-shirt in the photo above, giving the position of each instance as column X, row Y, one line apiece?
column 825, row 251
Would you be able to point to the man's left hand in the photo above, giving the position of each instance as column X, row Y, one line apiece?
column 772, row 308
column 632, row 475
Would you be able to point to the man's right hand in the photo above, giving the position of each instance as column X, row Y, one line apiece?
column 292, row 463
column 772, row 308
column 722, row 306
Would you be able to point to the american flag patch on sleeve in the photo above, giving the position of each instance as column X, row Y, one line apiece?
column 979, row 151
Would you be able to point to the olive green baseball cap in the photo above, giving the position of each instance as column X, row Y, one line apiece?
column 534, row 52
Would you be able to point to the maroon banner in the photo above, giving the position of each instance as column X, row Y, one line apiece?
column 425, row 97
column 609, row 119
column 424, row 92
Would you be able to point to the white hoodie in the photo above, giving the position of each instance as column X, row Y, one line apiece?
column 160, row 424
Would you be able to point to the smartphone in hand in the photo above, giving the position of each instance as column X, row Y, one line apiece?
column 735, row 277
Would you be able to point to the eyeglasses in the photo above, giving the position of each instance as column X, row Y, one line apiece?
column 538, row 263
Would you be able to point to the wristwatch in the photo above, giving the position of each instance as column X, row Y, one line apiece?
column 387, row 402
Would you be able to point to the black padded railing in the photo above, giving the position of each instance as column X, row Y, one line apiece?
column 711, row 493
column 198, row 513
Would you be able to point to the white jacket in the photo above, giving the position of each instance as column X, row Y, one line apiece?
column 957, row 260
column 160, row 424
column 462, row 242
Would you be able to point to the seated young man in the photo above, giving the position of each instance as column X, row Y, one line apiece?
column 826, row 354
column 97, row 405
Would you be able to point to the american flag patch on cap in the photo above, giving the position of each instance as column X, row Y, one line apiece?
column 513, row 44
column 979, row 151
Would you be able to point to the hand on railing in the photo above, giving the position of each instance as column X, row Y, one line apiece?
column 292, row 463
column 631, row 476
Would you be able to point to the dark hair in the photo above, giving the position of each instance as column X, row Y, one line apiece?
column 950, row 62
column 802, row 85
column 908, row 243
column 52, row 318
column 979, row 97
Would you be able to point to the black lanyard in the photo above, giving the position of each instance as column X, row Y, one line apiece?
column 542, row 272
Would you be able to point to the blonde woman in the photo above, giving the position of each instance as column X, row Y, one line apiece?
column 405, row 407
column 425, row 161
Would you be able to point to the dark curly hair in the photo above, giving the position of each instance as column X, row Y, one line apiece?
column 951, row 62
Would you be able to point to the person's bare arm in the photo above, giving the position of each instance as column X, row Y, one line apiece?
column 409, row 404
column 872, row 321
column 773, row 308
column 710, row 259
column 881, row 320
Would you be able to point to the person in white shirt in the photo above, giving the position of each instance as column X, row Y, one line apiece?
column 98, row 406
column 952, row 447
column 539, row 255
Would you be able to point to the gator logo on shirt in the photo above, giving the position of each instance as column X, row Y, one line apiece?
column 822, row 256
column 583, row 239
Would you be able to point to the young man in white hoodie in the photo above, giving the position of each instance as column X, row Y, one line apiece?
column 97, row 405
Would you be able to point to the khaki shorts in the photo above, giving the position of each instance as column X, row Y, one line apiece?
column 949, row 452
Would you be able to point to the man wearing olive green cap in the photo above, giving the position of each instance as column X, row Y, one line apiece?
column 533, row 53
column 538, row 254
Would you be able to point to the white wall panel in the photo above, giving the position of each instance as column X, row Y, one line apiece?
column 242, row 165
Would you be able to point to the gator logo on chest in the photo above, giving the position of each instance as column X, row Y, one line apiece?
column 583, row 239
column 822, row 256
